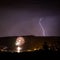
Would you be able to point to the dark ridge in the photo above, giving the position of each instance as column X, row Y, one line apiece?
column 29, row 36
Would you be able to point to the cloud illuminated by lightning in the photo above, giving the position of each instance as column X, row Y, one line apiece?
column 43, row 31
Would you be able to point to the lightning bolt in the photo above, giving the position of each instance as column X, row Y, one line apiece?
column 43, row 31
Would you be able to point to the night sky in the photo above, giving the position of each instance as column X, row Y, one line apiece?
column 30, row 18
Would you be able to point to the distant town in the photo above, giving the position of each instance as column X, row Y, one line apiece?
column 30, row 43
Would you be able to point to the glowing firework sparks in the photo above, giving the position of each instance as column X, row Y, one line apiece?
column 20, row 41
column 43, row 31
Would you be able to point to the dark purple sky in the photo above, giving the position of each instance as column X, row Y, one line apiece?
column 18, row 19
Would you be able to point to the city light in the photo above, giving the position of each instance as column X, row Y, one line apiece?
column 35, row 49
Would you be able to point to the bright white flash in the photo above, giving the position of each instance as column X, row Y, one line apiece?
column 19, row 49
column 17, row 43
column 43, row 31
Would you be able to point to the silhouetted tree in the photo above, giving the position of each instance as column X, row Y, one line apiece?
column 45, row 46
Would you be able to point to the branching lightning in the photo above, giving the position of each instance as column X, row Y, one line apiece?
column 43, row 31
